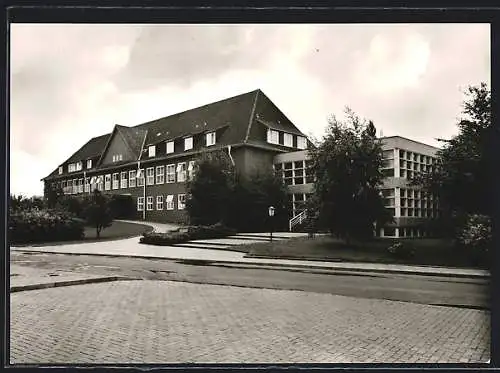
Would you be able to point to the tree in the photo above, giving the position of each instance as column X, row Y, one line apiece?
column 347, row 165
column 209, row 191
column 464, row 172
column 52, row 194
column 251, row 198
column 96, row 211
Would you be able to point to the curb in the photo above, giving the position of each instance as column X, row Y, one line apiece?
column 15, row 289
column 278, row 265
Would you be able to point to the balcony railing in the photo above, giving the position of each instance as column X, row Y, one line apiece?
column 297, row 219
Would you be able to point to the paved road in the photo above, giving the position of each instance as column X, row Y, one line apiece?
column 436, row 290
column 164, row 321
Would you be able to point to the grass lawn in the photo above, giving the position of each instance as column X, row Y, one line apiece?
column 117, row 230
column 433, row 252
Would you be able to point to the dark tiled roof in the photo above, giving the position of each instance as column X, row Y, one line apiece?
column 234, row 118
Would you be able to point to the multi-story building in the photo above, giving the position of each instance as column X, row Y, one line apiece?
column 152, row 161
column 410, row 206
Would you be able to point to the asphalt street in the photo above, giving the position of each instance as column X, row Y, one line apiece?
column 432, row 290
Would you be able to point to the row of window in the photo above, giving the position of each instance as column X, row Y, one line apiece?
column 133, row 178
column 404, row 232
column 78, row 166
column 168, row 203
column 405, row 155
column 210, row 139
column 295, row 173
column 273, row 137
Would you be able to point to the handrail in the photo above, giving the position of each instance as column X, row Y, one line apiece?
column 297, row 219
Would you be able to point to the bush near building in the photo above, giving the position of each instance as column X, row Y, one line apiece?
column 217, row 230
column 26, row 226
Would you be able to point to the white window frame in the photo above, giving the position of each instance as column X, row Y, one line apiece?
column 159, row 203
column 170, row 174
column 87, row 185
column 210, row 138
column 271, row 135
column 79, row 166
column 288, row 140
column 188, row 143
column 100, row 184
column 115, row 181
column 123, row 180
column 117, row 157
column 160, row 174
column 301, row 142
column 89, row 163
column 149, row 203
column 181, row 172
column 71, row 167
column 170, row 202
column 190, row 170
column 150, row 179
column 181, row 205
column 80, row 185
column 170, row 147
column 152, row 151
column 140, row 203
column 131, row 178
column 107, row 182
column 140, row 178
column 60, row 170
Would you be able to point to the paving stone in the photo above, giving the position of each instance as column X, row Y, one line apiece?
column 167, row 322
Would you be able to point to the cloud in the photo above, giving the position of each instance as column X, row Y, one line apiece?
column 405, row 77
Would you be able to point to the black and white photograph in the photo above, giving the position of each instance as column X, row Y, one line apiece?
column 249, row 193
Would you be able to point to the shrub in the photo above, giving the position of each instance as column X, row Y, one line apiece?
column 43, row 226
column 475, row 237
column 193, row 233
column 401, row 250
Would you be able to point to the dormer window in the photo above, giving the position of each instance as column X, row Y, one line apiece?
column 301, row 142
column 89, row 163
column 273, row 136
column 60, row 170
column 170, row 147
column 117, row 158
column 72, row 167
column 188, row 143
column 79, row 166
column 288, row 140
column 210, row 138
column 152, row 150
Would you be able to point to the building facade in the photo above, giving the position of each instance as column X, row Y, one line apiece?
column 409, row 205
column 151, row 162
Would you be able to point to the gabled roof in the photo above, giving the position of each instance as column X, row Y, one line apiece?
column 234, row 119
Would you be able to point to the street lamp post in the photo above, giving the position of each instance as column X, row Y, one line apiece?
column 271, row 214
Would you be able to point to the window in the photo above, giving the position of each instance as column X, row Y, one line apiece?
column 131, row 178
column 87, row 185
column 100, row 183
column 60, row 170
column 140, row 203
column 159, row 202
column 124, row 181
column 188, row 143
column 170, row 147
column 150, row 176
column 190, row 170
column 210, row 138
column 140, row 177
column 116, row 181
column 170, row 202
column 79, row 166
column 288, row 140
column 107, row 182
column 80, row 185
column 273, row 136
column 152, row 150
column 117, row 158
column 149, row 203
column 301, row 142
column 170, row 173
column 181, row 201
column 181, row 172
column 71, row 167
column 160, row 175
column 89, row 163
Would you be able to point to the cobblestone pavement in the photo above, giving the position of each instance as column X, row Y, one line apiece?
column 163, row 321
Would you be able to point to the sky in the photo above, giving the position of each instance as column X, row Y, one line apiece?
column 72, row 82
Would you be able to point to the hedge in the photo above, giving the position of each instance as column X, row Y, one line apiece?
column 44, row 226
column 191, row 233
